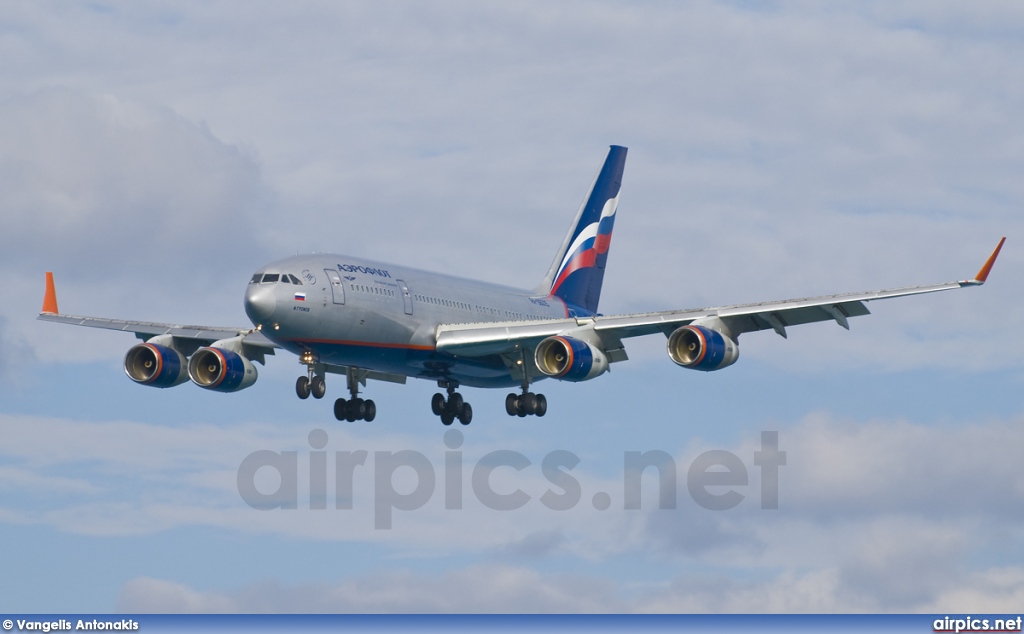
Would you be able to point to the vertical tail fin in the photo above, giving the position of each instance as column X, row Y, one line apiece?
column 577, row 272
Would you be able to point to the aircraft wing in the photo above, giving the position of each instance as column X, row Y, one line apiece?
column 147, row 329
column 188, row 337
column 510, row 337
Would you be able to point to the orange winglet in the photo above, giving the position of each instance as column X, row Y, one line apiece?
column 983, row 273
column 50, row 299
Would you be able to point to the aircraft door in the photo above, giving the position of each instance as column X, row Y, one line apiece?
column 406, row 297
column 337, row 290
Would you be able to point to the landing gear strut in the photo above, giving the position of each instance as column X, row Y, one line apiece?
column 354, row 408
column 453, row 407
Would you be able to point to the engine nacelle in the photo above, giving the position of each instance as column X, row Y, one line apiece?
column 221, row 370
column 155, row 365
column 570, row 359
column 700, row 348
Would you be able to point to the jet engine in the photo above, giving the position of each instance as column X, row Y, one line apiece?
column 701, row 348
column 219, row 369
column 569, row 359
column 155, row 365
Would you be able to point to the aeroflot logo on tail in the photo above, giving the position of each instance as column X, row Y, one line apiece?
column 369, row 270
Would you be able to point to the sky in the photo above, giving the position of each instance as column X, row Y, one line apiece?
column 154, row 154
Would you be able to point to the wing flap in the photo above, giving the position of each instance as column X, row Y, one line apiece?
column 780, row 318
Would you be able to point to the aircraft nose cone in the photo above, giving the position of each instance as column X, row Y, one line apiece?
column 260, row 303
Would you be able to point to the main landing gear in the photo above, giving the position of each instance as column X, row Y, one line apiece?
column 453, row 407
column 354, row 408
column 526, row 404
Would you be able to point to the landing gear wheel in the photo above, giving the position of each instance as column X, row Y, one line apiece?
column 355, row 410
column 318, row 387
column 529, row 403
column 340, row 408
column 542, row 405
column 453, row 407
column 455, row 403
column 511, row 404
column 466, row 415
column 302, row 387
column 369, row 410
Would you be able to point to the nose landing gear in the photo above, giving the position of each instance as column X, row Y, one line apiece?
column 313, row 383
column 306, row 385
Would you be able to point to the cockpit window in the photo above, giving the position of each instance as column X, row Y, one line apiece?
column 256, row 278
column 270, row 277
column 284, row 279
column 294, row 279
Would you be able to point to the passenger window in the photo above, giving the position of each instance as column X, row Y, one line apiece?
column 270, row 277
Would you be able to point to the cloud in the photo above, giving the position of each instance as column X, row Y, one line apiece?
column 15, row 355
column 898, row 561
column 477, row 589
column 845, row 469
column 516, row 589
column 13, row 478
column 536, row 544
column 874, row 515
column 93, row 177
column 883, row 515
column 139, row 212
column 145, row 595
column 990, row 590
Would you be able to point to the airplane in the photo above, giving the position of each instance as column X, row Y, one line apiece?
column 368, row 320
